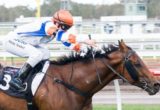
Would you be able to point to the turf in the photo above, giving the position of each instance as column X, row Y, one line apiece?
column 127, row 107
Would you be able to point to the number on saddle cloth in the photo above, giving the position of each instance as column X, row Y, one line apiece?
column 33, row 80
column 8, row 70
column 6, row 74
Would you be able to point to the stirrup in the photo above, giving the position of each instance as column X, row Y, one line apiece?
column 25, row 84
column 18, row 85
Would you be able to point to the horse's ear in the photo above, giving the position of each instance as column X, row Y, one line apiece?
column 122, row 45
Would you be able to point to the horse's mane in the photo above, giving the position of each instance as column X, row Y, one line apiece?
column 103, row 52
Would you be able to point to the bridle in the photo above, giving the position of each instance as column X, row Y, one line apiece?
column 126, row 64
column 131, row 69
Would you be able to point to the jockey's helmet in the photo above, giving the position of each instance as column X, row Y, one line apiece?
column 63, row 18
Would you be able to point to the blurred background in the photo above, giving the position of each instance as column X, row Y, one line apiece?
column 135, row 21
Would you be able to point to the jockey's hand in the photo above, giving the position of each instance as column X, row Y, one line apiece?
column 91, row 42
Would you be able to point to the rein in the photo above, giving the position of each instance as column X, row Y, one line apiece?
column 99, row 79
column 129, row 66
column 114, row 71
column 97, row 72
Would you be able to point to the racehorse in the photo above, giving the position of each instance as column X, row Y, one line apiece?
column 71, row 82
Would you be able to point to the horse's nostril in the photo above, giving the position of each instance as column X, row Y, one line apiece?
column 157, row 84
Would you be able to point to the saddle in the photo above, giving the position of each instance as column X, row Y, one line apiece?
column 33, row 80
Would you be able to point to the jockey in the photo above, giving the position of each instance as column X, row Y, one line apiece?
column 27, row 40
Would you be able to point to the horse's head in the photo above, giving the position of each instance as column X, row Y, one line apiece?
column 133, row 70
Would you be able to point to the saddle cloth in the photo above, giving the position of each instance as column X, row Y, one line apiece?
column 33, row 80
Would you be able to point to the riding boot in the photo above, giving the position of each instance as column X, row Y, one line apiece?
column 17, row 82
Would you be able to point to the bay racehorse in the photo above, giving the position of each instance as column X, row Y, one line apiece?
column 70, row 82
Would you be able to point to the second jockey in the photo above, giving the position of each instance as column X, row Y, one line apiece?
column 26, row 40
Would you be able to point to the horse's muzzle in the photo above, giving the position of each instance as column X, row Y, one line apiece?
column 151, row 88
column 154, row 89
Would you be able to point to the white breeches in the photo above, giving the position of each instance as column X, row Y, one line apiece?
column 18, row 47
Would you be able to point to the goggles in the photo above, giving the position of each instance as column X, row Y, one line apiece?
column 61, row 25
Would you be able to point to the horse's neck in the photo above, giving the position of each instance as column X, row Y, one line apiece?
column 84, row 76
column 88, row 77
